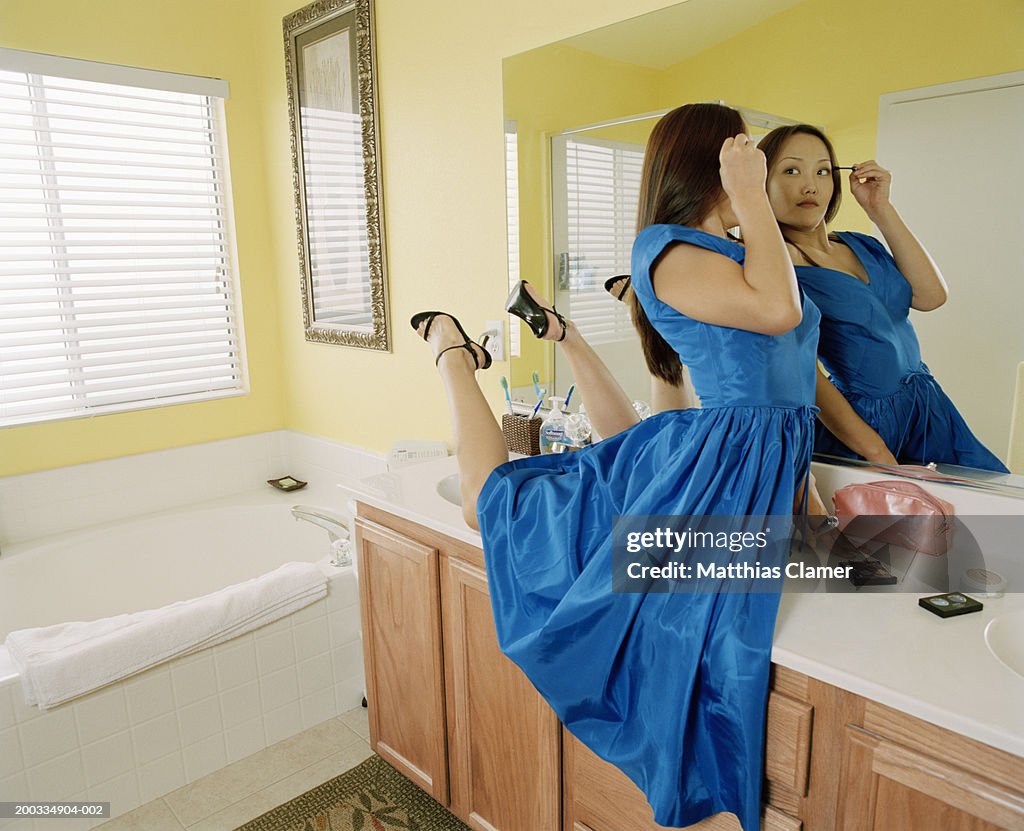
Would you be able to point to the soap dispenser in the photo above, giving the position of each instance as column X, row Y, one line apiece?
column 552, row 429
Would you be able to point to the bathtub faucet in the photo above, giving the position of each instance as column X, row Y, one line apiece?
column 334, row 524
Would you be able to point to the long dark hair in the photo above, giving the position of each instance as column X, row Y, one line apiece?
column 679, row 185
column 771, row 146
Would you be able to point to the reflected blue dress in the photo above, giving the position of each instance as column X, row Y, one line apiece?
column 870, row 350
column 671, row 688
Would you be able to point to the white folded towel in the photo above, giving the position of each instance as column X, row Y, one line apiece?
column 58, row 663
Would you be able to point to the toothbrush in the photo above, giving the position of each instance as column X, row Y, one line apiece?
column 536, row 383
column 568, row 398
column 508, row 398
column 537, row 407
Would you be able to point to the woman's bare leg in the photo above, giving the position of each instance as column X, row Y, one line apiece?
column 608, row 407
column 479, row 444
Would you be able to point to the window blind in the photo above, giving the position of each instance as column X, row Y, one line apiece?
column 512, row 221
column 602, row 189
column 117, row 279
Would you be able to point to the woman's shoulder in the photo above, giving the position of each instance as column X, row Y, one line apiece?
column 655, row 238
column 865, row 240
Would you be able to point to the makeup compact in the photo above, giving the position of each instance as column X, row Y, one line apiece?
column 949, row 605
column 869, row 572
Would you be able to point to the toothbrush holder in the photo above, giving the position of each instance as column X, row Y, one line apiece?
column 522, row 434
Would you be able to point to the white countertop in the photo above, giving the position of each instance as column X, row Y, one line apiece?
column 880, row 646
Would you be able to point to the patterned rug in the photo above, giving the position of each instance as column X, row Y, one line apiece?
column 371, row 797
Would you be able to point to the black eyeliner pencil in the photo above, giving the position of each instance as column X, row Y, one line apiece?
column 837, row 167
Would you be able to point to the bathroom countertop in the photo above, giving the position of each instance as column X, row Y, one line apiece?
column 880, row 646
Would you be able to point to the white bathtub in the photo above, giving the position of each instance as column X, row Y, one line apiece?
column 147, row 735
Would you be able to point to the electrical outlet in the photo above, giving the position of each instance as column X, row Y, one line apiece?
column 496, row 344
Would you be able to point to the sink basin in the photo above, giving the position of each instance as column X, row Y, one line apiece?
column 1004, row 637
column 448, row 488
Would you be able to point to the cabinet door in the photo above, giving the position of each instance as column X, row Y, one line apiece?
column 503, row 738
column 399, row 598
column 886, row 785
column 600, row 797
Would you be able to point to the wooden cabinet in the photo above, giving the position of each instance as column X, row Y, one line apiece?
column 400, row 608
column 452, row 713
column 503, row 738
column 899, row 772
column 599, row 797
column 446, row 707
column 834, row 761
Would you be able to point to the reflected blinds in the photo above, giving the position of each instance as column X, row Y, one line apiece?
column 512, row 223
column 339, row 248
column 602, row 181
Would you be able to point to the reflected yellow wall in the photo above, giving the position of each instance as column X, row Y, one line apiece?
column 828, row 61
column 200, row 38
column 547, row 91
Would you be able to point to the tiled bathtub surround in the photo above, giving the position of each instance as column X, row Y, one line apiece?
column 136, row 740
column 35, row 505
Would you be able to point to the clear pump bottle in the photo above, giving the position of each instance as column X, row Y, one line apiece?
column 552, row 429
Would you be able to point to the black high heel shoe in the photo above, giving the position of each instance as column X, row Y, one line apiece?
column 467, row 343
column 609, row 286
column 523, row 306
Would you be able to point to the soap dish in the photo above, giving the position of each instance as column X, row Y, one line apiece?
column 287, row 483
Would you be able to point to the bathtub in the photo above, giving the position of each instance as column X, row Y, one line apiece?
column 144, row 736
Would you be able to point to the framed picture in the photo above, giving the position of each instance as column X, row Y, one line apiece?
column 332, row 112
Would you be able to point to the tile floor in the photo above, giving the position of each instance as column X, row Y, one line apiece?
column 252, row 786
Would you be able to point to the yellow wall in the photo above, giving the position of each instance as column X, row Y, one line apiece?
column 439, row 68
column 195, row 37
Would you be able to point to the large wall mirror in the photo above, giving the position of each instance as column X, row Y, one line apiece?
column 578, row 113
column 329, row 60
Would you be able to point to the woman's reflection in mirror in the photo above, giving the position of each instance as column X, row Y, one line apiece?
column 878, row 400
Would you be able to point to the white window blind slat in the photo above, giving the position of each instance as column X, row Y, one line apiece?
column 32, row 360
column 117, row 284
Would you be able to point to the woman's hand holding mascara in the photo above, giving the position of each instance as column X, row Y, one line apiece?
column 744, row 171
column 870, row 184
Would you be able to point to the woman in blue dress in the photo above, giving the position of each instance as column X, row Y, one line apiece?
column 879, row 401
column 669, row 686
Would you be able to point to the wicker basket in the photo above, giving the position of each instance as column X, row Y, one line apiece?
column 522, row 434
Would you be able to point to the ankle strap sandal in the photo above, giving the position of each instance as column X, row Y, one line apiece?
column 529, row 310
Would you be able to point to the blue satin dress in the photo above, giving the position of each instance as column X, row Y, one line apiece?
column 870, row 350
column 671, row 688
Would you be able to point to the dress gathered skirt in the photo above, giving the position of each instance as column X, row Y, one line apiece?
column 670, row 687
